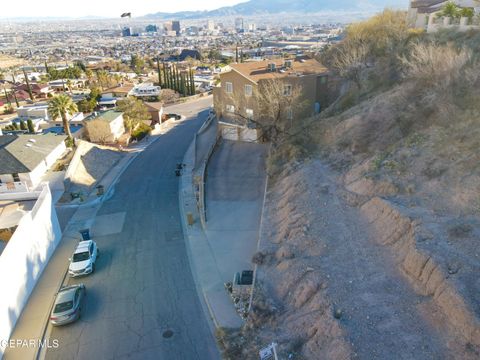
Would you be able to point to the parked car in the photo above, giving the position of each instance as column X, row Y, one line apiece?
column 68, row 305
column 83, row 260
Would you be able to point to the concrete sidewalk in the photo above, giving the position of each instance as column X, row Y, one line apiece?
column 206, row 273
column 231, row 236
column 33, row 322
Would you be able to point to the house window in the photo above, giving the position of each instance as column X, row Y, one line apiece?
column 287, row 90
column 230, row 108
column 289, row 114
column 16, row 178
column 229, row 87
column 248, row 90
column 323, row 80
column 249, row 113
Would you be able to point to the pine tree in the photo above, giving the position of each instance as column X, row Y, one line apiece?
column 159, row 73
column 31, row 129
column 170, row 75
column 29, row 89
column 192, row 79
column 179, row 85
column 6, row 97
column 46, row 67
column 15, row 97
column 174, row 79
column 22, row 125
column 165, row 78
column 184, row 85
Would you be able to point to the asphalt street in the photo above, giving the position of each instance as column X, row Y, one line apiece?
column 141, row 301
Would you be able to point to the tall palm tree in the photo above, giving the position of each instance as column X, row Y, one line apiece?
column 60, row 106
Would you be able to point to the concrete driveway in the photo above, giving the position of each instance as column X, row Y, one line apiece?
column 234, row 197
column 141, row 302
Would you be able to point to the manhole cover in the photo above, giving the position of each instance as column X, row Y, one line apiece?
column 167, row 334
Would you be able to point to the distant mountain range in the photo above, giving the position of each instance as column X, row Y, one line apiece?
column 266, row 7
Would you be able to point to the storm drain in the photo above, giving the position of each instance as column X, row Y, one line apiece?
column 167, row 334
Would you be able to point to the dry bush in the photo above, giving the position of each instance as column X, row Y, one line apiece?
column 444, row 76
column 434, row 66
column 382, row 33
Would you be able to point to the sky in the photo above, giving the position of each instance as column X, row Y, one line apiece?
column 104, row 8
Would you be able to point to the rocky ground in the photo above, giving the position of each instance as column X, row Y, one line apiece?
column 344, row 276
column 369, row 246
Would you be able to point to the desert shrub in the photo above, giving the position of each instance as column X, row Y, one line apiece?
column 444, row 76
column 436, row 66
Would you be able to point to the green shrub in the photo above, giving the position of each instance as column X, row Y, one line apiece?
column 140, row 131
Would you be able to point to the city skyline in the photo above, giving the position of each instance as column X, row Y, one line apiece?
column 107, row 9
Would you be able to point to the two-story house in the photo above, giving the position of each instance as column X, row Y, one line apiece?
column 235, row 95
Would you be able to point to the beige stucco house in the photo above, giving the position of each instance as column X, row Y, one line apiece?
column 104, row 127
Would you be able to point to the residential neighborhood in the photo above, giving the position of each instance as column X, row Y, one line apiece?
column 240, row 180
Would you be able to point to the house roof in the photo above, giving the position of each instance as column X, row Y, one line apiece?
column 427, row 6
column 19, row 154
column 108, row 116
column 155, row 106
column 258, row 70
column 119, row 89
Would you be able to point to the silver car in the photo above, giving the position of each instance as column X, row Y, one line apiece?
column 68, row 305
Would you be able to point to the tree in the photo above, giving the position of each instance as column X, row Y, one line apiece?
column 134, row 112
column 137, row 64
column 6, row 96
column 192, row 82
column 159, row 73
column 22, row 125
column 467, row 12
column 15, row 98
column 450, row 9
column 168, row 96
column 61, row 106
column 31, row 128
column 29, row 88
column 350, row 60
column 89, row 74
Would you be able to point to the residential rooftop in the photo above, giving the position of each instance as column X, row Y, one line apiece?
column 109, row 115
column 258, row 70
column 23, row 153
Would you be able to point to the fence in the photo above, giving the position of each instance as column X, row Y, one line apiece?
column 24, row 259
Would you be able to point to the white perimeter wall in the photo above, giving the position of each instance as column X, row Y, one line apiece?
column 24, row 259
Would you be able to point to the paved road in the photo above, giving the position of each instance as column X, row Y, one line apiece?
column 143, row 287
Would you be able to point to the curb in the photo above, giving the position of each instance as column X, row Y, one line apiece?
column 213, row 325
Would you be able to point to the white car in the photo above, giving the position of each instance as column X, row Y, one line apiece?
column 83, row 260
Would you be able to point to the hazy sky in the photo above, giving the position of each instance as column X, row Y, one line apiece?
column 107, row 8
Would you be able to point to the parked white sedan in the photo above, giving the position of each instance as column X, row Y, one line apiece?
column 83, row 260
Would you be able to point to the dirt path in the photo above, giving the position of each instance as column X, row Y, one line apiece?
column 382, row 315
